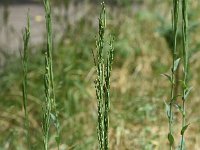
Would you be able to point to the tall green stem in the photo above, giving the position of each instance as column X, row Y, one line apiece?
column 185, row 61
column 175, row 18
column 50, row 111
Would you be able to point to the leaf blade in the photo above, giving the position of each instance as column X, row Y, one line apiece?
column 184, row 129
column 171, row 139
column 176, row 64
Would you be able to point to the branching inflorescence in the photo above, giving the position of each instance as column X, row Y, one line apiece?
column 24, row 57
column 102, row 83
column 50, row 112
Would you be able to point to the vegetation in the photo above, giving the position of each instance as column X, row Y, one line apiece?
column 50, row 111
column 176, row 57
column 144, row 47
column 26, row 38
column 186, row 89
column 175, row 63
column 102, row 83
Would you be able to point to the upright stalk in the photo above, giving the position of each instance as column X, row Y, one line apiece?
column 26, row 38
column 50, row 111
column 107, row 92
column 175, row 18
column 102, row 83
column 100, row 77
column 186, row 90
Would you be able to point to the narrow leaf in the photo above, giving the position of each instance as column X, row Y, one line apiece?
column 57, row 138
column 183, row 84
column 175, row 97
column 171, row 139
column 184, row 129
column 167, row 109
column 53, row 117
column 176, row 63
column 179, row 108
column 187, row 92
column 168, row 77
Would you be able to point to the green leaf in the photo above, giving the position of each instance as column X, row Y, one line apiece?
column 183, row 84
column 53, row 117
column 179, row 108
column 171, row 139
column 175, row 97
column 167, row 109
column 187, row 92
column 168, row 77
column 176, row 63
column 184, row 129
column 57, row 138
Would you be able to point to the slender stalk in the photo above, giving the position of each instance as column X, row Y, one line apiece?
column 26, row 38
column 107, row 92
column 100, row 79
column 47, row 107
column 102, row 83
column 185, row 61
column 50, row 104
column 175, row 18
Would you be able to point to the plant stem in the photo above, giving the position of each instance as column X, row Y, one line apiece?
column 185, row 60
column 107, row 92
column 102, row 83
column 175, row 16
column 26, row 38
column 50, row 104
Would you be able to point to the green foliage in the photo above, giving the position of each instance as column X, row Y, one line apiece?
column 175, row 63
column 171, row 139
column 136, row 112
column 184, row 129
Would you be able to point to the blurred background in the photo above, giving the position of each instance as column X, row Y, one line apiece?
column 143, row 44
